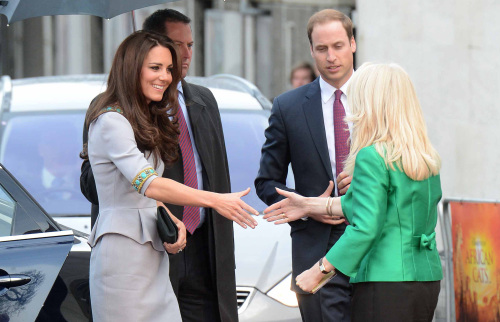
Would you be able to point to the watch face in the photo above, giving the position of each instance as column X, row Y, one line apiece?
column 322, row 267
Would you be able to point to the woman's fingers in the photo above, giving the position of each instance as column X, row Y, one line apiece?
column 273, row 213
column 250, row 210
column 284, row 193
column 279, row 217
column 282, row 221
column 241, row 217
column 299, row 280
column 170, row 249
column 176, row 247
column 244, row 192
column 244, row 216
column 249, row 220
column 233, row 208
column 273, row 216
column 242, row 221
column 275, row 206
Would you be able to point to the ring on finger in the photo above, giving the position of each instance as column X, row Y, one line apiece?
column 283, row 215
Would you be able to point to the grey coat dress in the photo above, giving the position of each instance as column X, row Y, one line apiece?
column 129, row 269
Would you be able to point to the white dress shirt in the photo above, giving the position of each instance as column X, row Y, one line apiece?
column 327, row 99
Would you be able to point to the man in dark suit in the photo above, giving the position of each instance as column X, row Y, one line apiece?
column 306, row 130
column 203, row 274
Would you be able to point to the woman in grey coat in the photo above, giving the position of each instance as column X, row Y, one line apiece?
column 133, row 132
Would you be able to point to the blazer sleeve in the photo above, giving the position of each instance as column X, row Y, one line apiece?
column 275, row 158
column 365, row 208
column 111, row 138
column 346, row 204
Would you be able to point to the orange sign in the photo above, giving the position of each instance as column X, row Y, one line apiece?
column 476, row 260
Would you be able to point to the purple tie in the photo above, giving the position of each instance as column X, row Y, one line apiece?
column 191, row 215
column 341, row 131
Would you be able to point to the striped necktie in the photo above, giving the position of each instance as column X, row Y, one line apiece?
column 191, row 215
column 341, row 131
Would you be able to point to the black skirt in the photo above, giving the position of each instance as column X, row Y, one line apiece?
column 394, row 301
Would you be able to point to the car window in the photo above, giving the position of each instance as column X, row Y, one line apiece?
column 42, row 152
column 37, row 148
column 7, row 208
column 244, row 136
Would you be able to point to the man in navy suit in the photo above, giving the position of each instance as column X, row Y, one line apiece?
column 301, row 132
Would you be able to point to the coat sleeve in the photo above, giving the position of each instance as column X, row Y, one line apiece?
column 212, row 103
column 365, row 208
column 111, row 138
column 87, row 183
column 275, row 158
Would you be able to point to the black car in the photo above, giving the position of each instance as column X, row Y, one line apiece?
column 43, row 275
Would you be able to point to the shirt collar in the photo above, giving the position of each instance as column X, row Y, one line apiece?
column 327, row 90
column 179, row 88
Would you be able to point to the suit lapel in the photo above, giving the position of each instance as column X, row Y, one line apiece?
column 313, row 113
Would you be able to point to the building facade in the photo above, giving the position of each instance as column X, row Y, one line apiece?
column 449, row 49
column 257, row 40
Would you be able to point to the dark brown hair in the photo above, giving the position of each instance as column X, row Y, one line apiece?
column 154, row 124
column 328, row 15
column 303, row 65
column 157, row 21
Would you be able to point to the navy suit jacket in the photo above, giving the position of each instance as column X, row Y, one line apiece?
column 296, row 135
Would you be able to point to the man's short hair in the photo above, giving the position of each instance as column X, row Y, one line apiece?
column 157, row 21
column 328, row 15
column 303, row 65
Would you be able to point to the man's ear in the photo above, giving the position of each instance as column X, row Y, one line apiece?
column 353, row 45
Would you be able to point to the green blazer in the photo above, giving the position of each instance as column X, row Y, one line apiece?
column 391, row 237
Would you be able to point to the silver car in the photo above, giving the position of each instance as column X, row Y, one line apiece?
column 41, row 132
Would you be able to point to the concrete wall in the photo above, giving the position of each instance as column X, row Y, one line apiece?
column 451, row 50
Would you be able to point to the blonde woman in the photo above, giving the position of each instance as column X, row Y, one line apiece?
column 389, row 249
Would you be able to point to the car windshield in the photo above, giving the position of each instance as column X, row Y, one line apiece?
column 244, row 135
column 42, row 152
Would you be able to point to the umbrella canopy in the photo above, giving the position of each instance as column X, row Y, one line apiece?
column 16, row 10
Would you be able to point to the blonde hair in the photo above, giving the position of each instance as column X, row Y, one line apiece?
column 386, row 113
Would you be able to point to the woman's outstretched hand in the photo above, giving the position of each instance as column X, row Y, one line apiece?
column 292, row 208
column 295, row 207
column 233, row 208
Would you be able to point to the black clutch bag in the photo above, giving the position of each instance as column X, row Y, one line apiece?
column 167, row 229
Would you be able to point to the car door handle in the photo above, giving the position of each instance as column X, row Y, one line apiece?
column 14, row 280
